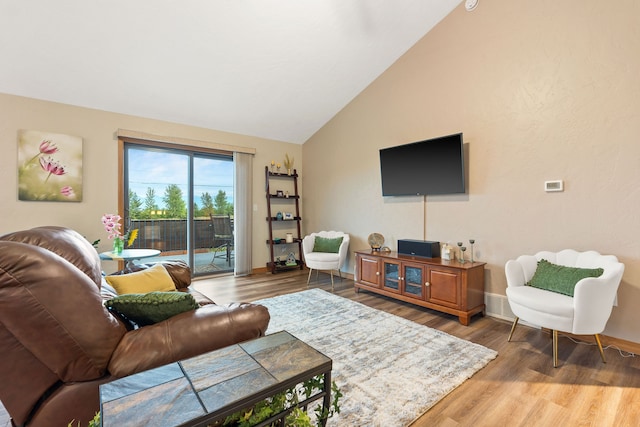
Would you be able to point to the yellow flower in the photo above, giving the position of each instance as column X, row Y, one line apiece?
column 133, row 234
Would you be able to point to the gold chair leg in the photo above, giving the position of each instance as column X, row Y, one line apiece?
column 513, row 328
column 331, row 272
column 309, row 276
column 600, row 347
column 555, row 348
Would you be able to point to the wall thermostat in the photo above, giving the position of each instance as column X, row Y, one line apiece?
column 557, row 185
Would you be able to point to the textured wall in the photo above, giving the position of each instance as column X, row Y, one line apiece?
column 542, row 90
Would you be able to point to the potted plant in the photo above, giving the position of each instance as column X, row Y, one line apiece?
column 288, row 403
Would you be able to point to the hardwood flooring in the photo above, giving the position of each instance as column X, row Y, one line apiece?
column 519, row 388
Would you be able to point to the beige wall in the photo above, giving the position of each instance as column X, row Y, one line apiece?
column 100, row 180
column 542, row 90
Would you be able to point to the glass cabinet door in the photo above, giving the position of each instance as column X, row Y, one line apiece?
column 413, row 281
column 391, row 276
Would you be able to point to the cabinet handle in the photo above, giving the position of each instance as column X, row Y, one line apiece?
column 377, row 273
column 427, row 284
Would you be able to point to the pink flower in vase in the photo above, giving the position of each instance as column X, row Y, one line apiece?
column 112, row 225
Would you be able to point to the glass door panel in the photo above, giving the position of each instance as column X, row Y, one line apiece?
column 413, row 281
column 157, row 184
column 391, row 276
column 213, row 214
column 174, row 197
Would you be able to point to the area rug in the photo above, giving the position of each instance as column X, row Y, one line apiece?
column 390, row 370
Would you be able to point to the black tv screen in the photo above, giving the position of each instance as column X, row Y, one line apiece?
column 433, row 166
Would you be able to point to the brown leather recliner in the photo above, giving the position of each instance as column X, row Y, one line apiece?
column 58, row 342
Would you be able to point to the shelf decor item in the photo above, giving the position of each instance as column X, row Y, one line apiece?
column 446, row 252
column 291, row 260
column 288, row 163
column 376, row 240
column 471, row 242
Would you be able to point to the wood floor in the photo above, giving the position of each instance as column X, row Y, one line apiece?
column 519, row 388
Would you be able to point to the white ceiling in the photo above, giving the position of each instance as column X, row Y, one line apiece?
column 277, row 69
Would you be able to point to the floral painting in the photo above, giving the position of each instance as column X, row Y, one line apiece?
column 49, row 166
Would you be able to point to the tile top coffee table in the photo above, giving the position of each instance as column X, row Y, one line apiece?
column 212, row 386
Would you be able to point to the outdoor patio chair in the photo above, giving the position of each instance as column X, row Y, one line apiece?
column 222, row 237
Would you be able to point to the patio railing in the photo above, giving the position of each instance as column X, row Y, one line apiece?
column 170, row 235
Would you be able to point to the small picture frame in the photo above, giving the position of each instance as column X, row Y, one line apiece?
column 288, row 215
column 279, row 193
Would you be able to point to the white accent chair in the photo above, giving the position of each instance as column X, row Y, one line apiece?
column 325, row 260
column 586, row 313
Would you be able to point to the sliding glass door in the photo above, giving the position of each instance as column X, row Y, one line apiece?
column 175, row 198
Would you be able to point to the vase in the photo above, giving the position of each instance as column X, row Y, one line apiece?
column 118, row 245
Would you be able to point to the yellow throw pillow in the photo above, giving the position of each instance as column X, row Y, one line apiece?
column 153, row 279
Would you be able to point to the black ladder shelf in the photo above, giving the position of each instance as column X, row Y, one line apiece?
column 283, row 224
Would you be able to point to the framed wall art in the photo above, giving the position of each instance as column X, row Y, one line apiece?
column 49, row 167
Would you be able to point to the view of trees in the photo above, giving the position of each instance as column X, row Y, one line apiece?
column 175, row 206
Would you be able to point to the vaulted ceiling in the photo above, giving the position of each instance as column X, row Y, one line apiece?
column 277, row 69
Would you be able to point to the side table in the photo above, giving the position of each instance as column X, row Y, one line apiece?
column 129, row 255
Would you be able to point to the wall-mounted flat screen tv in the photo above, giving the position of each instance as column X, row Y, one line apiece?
column 433, row 166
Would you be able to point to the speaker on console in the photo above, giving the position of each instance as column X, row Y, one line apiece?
column 423, row 248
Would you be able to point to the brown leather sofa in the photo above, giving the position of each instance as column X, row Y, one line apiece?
column 58, row 342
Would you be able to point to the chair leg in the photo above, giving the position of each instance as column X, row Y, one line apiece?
column 309, row 276
column 513, row 328
column 331, row 272
column 600, row 347
column 555, row 348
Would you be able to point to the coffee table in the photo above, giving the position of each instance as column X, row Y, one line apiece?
column 212, row 386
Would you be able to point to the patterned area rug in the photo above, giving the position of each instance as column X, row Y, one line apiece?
column 390, row 370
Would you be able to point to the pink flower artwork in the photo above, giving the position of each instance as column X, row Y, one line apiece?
column 67, row 191
column 49, row 167
column 47, row 147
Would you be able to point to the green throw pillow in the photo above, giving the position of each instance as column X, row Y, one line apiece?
column 326, row 244
column 559, row 278
column 152, row 307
